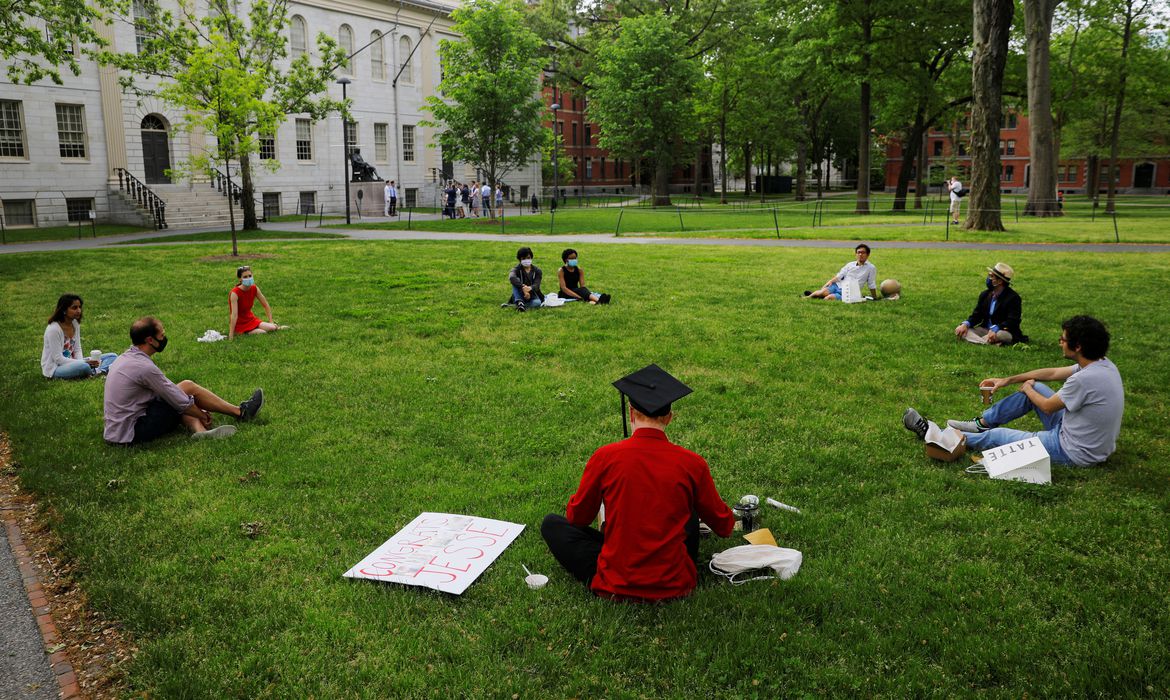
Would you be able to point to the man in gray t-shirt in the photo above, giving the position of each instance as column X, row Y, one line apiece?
column 1081, row 421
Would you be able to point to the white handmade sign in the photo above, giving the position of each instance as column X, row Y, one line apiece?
column 850, row 291
column 442, row 551
column 1026, row 460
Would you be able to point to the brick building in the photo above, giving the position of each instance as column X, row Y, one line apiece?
column 1149, row 174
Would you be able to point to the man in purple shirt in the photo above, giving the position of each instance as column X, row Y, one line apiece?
column 141, row 404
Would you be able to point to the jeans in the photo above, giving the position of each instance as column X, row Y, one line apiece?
column 1016, row 406
column 77, row 369
column 533, row 302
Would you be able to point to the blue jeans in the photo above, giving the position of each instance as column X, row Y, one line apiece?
column 77, row 369
column 517, row 296
column 1016, row 406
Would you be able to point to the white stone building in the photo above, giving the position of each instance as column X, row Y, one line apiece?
column 61, row 147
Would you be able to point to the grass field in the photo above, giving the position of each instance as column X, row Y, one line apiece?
column 240, row 236
column 1139, row 220
column 57, row 233
column 403, row 387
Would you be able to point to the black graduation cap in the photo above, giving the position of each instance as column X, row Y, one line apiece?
column 651, row 391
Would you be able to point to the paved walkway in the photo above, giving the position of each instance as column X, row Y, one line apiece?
column 25, row 673
column 158, row 238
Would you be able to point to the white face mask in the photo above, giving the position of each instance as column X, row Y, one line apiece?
column 526, row 262
column 753, row 557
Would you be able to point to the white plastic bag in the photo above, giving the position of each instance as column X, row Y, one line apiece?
column 211, row 336
column 747, row 558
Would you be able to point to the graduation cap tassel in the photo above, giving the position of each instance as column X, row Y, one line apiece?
column 625, row 427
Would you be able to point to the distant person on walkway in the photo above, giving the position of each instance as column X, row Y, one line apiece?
column 860, row 270
column 499, row 200
column 464, row 201
column 141, row 404
column 998, row 311
column 1081, row 421
column 240, row 299
column 955, row 187
column 535, row 204
column 486, row 193
column 525, row 280
column 391, row 193
column 62, row 356
column 572, row 280
column 654, row 493
column 450, row 193
column 476, row 200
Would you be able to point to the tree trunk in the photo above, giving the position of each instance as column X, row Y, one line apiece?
column 247, row 196
column 863, row 137
column 698, row 181
column 910, row 148
column 1092, row 175
column 801, row 166
column 747, row 170
column 766, row 172
column 723, row 161
column 662, row 183
column 991, row 30
column 923, row 171
column 1115, row 137
column 1042, row 199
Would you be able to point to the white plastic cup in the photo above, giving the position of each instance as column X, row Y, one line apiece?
column 536, row 581
column 95, row 354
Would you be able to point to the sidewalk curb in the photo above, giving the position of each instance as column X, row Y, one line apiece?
column 59, row 661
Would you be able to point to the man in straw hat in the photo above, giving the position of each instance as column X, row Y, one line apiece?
column 996, row 318
column 653, row 492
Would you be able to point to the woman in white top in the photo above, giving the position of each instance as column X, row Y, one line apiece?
column 62, row 356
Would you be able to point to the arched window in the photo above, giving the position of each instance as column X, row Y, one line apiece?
column 298, row 39
column 377, row 57
column 345, row 43
column 404, row 48
column 153, row 122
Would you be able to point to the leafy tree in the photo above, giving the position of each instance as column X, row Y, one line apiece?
column 563, row 173
column 1042, row 201
column 38, row 36
column 223, row 71
column 491, row 111
column 643, row 96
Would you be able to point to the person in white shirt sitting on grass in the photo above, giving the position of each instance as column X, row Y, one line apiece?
column 861, row 270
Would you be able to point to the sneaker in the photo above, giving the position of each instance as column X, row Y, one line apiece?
column 808, row 292
column 249, row 408
column 520, row 307
column 603, row 299
column 217, row 433
column 914, row 423
column 968, row 426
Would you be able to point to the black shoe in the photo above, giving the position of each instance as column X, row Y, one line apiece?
column 520, row 307
column 914, row 423
column 603, row 299
column 251, row 407
column 808, row 292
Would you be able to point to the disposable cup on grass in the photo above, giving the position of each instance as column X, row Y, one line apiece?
column 534, row 581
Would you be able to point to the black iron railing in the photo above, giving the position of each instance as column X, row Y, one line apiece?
column 221, row 183
column 145, row 197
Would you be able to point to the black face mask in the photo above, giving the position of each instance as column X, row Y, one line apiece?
column 162, row 344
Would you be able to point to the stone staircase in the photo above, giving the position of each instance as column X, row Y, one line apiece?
column 196, row 205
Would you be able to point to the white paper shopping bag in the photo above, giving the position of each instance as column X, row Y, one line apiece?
column 850, row 291
column 1026, row 460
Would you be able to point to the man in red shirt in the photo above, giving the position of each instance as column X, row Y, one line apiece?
column 654, row 493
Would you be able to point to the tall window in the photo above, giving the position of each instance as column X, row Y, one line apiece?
column 377, row 57
column 345, row 43
column 267, row 146
column 404, row 48
column 408, row 143
column 1011, row 147
column 71, row 131
column 304, row 139
column 351, row 137
column 588, row 168
column 298, row 39
column 588, row 134
column 574, row 141
column 78, row 209
column 938, row 146
column 601, row 173
column 143, row 12
column 1009, row 173
column 19, row 212
column 381, row 132
column 11, row 130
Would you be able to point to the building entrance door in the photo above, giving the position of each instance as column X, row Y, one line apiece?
column 1143, row 176
column 156, row 150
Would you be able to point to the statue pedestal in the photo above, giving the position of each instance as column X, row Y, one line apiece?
column 372, row 201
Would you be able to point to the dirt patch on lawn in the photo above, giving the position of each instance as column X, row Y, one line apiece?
column 242, row 256
column 99, row 649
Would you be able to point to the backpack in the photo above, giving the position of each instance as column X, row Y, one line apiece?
column 962, row 192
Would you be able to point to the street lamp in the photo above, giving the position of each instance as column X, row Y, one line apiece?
column 344, row 82
column 556, row 143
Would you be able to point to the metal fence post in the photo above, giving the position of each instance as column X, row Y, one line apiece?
column 776, row 221
column 617, row 232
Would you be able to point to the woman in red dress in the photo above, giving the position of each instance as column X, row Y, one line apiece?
column 240, row 301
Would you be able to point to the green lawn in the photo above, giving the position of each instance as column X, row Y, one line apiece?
column 1139, row 220
column 240, row 236
column 403, row 387
column 57, row 233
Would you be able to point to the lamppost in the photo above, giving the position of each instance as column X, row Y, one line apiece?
column 556, row 147
column 344, row 82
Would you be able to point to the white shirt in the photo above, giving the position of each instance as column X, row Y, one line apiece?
column 391, row 191
column 56, row 345
column 955, row 187
column 866, row 275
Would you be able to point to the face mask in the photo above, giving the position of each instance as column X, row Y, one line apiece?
column 162, row 344
column 989, row 284
column 526, row 262
column 247, row 282
column 572, row 263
